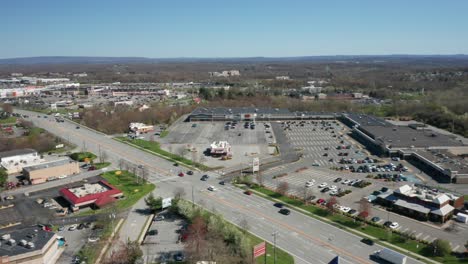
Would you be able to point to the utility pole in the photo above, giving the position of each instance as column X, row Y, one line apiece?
column 193, row 198
column 274, row 246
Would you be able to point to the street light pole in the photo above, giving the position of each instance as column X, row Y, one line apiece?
column 274, row 246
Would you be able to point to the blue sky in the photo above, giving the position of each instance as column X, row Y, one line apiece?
column 241, row 28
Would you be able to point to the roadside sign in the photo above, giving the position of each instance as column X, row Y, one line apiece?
column 166, row 202
column 255, row 164
column 259, row 250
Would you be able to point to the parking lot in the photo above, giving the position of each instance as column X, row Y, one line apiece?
column 245, row 142
column 322, row 143
column 163, row 239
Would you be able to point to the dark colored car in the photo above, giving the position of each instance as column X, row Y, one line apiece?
column 279, row 205
column 77, row 127
column 384, row 189
column 387, row 223
column 284, row 211
column 352, row 211
column 179, row 256
column 204, row 177
column 375, row 219
column 222, row 182
column 152, row 232
column 81, row 226
column 248, row 192
column 176, row 164
column 190, row 172
column 367, row 241
column 337, row 180
column 181, row 174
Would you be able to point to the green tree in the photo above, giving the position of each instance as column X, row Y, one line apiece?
column 3, row 177
column 153, row 203
column 440, row 247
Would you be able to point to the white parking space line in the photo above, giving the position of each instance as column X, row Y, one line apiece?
column 405, row 230
column 455, row 248
column 418, row 235
column 426, row 237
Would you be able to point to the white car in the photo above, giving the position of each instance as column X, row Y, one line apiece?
column 333, row 188
column 322, row 185
column 211, row 188
column 345, row 209
column 73, row 227
column 394, row 225
column 62, row 176
column 333, row 193
column 93, row 239
column 309, row 183
column 345, row 181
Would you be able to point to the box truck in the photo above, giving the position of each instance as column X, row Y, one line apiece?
column 390, row 256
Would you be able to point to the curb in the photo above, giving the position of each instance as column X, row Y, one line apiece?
column 106, row 247
column 145, row 228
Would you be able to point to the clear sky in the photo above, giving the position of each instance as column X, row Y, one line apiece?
column 231, row 28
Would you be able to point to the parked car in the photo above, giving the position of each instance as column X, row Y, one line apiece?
column 77, row 127
column 179, row 256
column 211, row 188
column 158, row 218
column 394, row 225
column 222, row 183
column 337, row 180
column 73, row 227
column 190, row 172
column 284, row 211
column 181, row 174
column 81, row 226
column 204, row 177
column 375, row 219
column 248, row 192
column 322, row 185
column 152, row 232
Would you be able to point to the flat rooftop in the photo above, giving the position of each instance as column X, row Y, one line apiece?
column 239, row 110
column 445, row 159
column 49, row 164
column 367, row 120
column 88, row 189
column 406, row 137
column 34, row 235
column 16, row 152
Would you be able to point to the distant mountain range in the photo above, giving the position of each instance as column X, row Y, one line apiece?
column 112, row 60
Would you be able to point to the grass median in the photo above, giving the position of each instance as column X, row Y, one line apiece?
column 358, row 227
column 155, row 148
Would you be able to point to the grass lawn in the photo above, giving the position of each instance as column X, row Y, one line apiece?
column 101, row 165
column 379, row 232
column 282, row 257
column 164, row 133
column 9, row 120
column 126, row 182
column 81, row 156
column 155, row 147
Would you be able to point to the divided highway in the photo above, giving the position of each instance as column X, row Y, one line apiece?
column 307, row 239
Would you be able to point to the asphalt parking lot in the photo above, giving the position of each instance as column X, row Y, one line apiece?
column 246, row 143
column 75, row 241
column 165, row 242
column 319, row 141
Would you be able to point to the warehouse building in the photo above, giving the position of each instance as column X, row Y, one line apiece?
column 51, row 170
column 29, row 246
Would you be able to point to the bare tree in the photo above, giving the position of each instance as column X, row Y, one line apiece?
column 259, row 178
column 305, row 193
column 179, row 192
column 282, row 188
column 244, row 224
column 195, row 245
column 144, row 173
column 121, row 164
column 331, row 204
column 364, row 208
column 103, row 157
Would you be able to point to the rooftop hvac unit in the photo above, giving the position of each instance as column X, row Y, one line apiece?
column 11, row 242
column 23, row 242
column 6, row 237
column 31, row 245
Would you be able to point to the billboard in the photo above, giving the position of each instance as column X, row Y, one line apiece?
column 166, row 202
column 255, row 164
column 259, row 250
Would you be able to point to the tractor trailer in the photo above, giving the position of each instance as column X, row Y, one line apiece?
column 390, row 256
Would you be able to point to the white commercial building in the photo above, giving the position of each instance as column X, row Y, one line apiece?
column 14, row 160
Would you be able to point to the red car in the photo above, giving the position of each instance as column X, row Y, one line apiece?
column 91, row 168
column 320, row 201
column 248, row 192
column 181, row 174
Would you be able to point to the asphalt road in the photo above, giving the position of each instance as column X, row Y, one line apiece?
column 307, row 239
